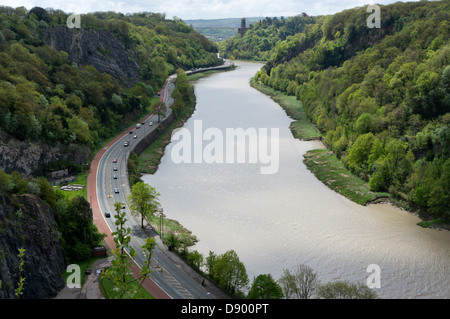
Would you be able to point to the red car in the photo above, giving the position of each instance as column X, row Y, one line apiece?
column 115, row 160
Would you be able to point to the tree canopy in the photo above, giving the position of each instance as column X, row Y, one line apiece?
column 46, row 96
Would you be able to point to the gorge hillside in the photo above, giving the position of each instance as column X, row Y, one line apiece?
column 71, row 88
column 380, row 96
column 27, row 222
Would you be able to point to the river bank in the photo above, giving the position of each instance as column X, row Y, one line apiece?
column 322, row 163
column 301, row 127
column 325, row 165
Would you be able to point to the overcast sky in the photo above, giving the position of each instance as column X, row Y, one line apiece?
column 201, row 9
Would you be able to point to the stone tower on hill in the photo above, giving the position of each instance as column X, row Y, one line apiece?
column 243, row 27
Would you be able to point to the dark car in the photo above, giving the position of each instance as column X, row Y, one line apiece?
column 107, row 214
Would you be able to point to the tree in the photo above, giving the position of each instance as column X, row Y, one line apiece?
column 345, row 290
column 120, row 273
column 265, row 287
column 210, row 262
column 77, row 228
column 47, row 192
column 143, row 201
column 172, row 241
column 299, row 285
column 359, row 153
column 161, row 110
column 195, row 258
column 230, row 272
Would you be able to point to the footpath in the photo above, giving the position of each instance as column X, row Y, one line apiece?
column 90, row 288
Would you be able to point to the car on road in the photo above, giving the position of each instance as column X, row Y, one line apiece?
column 115, row 160
column 150, row 124
column 135, row 137
column 115, row 169
column 107, row 214
column 123, row 205
column 116, row 190
column 138, row 126
column 132, row 131
column 126, row 143
column 116, row 176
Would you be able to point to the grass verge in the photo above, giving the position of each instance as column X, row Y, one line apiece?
column 83, row 266
column 172, row 226
column 332, row 172
column 81, row 180
column 432, row 223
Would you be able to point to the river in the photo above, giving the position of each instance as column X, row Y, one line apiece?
column 277, row 221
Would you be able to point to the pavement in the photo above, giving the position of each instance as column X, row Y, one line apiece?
column 90, row 288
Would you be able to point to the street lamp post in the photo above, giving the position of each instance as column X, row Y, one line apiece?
column 161, row 225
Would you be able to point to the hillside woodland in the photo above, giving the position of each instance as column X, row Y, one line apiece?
column 78, row 85
column 380, row 96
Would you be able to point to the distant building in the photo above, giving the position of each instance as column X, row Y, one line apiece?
column 56, row 173
column 243, row 27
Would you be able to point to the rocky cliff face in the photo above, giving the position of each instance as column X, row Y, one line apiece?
column 27, row 156
column 98, row 48
column 33, row 229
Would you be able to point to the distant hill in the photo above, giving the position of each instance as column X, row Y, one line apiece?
column 220, row 29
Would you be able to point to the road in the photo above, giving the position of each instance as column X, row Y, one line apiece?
column 108, row 183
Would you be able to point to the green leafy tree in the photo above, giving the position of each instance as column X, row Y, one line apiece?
column 79, row 233
column 230, row 272
column 143, row 201
column 120, row 273
column 345, row 290
column 359, row 153
column 265, row 287
column 196, row 259
column 172, row 241
column 210, row 261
